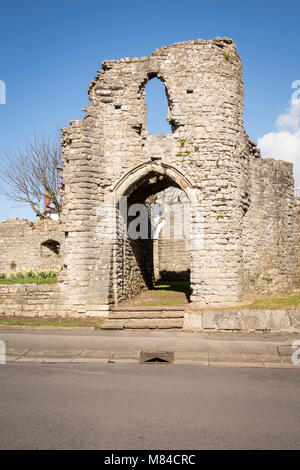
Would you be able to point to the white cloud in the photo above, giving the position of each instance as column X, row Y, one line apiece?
column 284, row 143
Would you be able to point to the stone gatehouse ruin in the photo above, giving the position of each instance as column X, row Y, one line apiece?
column 241, row 207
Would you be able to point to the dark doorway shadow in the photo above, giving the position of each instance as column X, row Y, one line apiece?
column 174, row 285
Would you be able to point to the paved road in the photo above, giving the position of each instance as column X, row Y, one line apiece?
column 132, row 406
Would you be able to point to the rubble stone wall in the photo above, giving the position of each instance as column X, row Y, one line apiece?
column 29, row 245
column 30, row 300
column 173, row 257
column 237, row 200
column 297, row 233
column 174, row 260
column 110, row 153
column 269, row 259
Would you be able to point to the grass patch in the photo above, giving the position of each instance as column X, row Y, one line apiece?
column 164, row 302
column 28, row 280
column 274, row 303
column 177, row 286
column 48, row 321
column 165, row 293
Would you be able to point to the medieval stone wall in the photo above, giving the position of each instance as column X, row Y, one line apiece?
column 174, row 260
column 134, row 272
column 269, row 262
column 109, row 154
column 297, row 233
column 173, row 257
column 30, row 245
column 30, row 300
column 207, row 152
column 242, row 208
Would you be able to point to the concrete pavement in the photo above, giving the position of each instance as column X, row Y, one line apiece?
column 238, row 349
column 132, row 406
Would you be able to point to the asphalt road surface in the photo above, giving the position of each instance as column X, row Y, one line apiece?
column 157, row 406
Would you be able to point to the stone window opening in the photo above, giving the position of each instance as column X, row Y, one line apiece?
column 158, row 105
column 50, row 248
column 13, row 265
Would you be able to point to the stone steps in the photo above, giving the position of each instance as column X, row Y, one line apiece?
column 144, row 315
column 144, row 318
column 147, row 308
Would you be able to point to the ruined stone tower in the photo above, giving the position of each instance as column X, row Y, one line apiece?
column 242, row 206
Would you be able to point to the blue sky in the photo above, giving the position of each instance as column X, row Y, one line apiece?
column 51, row 50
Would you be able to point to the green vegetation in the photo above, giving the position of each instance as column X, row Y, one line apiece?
column 28, row 281
column 226, row 56
column 182, row 142
column 220, row 217
column 48, row 321
column 160, row 301
column 217, row 163
column 196, row 148
column 177, row 286
column 274, row 303
column 165, row 293
column 42, row 276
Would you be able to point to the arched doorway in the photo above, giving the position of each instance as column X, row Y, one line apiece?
column 138, row 199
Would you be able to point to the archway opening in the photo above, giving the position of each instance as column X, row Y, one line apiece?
column 153, row 254
column 50, row 248
column 157, row 107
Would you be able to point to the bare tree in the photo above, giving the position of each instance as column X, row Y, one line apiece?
column 30, row 174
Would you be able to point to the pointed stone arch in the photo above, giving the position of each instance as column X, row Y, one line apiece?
column 137, row 185
column 131, row 180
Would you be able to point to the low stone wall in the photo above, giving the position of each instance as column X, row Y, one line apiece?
column 44, row 300
column 242, row 320
column 30, row 300
column 36, row 300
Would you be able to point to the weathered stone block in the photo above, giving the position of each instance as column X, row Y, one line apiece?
column 294, row 318
column 192, row 320
column 208, row 319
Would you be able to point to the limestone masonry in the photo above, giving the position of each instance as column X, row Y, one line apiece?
column 243, row 238
column 30, row 245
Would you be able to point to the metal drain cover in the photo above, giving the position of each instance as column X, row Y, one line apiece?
column 147, row 357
